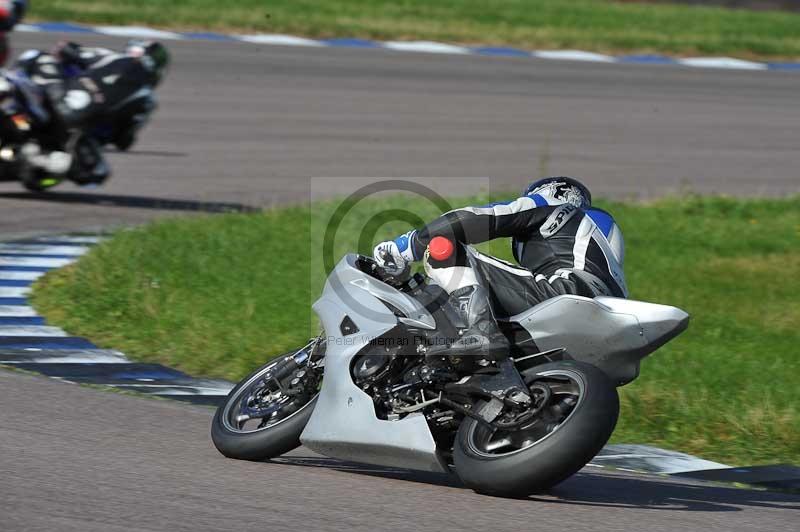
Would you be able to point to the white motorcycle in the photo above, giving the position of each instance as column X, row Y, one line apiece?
column 507, row 427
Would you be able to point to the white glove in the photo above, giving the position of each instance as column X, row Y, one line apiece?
column 394, row 255
column 388, row 257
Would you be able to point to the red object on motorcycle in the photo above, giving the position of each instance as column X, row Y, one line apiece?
column 441, row 248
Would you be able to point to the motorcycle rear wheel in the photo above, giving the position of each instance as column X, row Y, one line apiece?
column 577, row 420
column 271, row 438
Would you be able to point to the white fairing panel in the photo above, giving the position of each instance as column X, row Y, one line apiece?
column 344, row 424
column 611, row 333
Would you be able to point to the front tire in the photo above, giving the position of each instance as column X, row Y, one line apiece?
column 39, row 182
column 233, row 440
column 548, row 455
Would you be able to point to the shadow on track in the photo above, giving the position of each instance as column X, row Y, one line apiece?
column 436, row 479
column 150, row 153
column 608, row 490
column 652, row 493
column 135, row 202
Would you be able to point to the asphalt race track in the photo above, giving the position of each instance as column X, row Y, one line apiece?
column 248, row 125
column 80, row 459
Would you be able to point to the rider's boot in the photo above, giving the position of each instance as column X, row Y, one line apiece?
column 482, row 335
column 90, row 166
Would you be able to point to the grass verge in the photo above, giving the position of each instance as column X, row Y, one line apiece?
column 599, row 25
column 217, row 295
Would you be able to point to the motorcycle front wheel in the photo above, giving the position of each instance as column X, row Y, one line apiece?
column 263, row 416
column 39, row 182
column 578, row 412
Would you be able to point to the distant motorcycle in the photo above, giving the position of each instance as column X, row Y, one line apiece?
column 511, row 427
column 30, row 150
column 22, row 138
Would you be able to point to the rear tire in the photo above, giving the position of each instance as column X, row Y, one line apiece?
column 554, row 457
column 125, row 140
column 262, row 444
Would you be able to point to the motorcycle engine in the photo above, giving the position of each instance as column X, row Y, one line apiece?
column 370, row 367
column 374, row 364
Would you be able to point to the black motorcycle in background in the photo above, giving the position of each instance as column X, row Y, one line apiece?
column 59, row 110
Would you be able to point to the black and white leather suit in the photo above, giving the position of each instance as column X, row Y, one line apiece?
column 560, row 248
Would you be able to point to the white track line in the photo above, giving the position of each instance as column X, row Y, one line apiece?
column 69, row 239
column 138, row 32
column 31, row 330
column 19, row 276
column 67, row 360
column 17, row 311
column 653, row 459
column 573, row 55
column 286, row 40
column 43, row 249
column 179, row 389
column 27, row 28
column 35, row 262
column 426, row 47
column 62, row 356
column 721, row 62
column 14, row 291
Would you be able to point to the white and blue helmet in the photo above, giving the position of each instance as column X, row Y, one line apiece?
column 559, row 190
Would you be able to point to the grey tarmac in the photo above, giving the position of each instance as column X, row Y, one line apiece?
column 247, row 124
column 75, row 458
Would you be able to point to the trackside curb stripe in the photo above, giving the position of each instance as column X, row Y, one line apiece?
column 28, row 343
column 412, row 47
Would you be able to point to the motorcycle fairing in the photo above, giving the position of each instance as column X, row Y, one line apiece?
column 611, row 333
column 344, row 424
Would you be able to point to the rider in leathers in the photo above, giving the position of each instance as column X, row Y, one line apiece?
column 564, row 245
column 82, row 84
column 11, row 12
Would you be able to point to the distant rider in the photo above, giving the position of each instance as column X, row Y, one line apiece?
column 11, row 12
column 564, row 245
column 82, row 85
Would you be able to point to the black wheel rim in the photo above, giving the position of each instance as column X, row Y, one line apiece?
column 566, row 394
column 258, row 405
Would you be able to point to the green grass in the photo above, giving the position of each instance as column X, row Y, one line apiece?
column 600, row 25
column 218, row 295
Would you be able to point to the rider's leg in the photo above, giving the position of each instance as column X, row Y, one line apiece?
column 515, row 289
column 482, row 287
column 482, row 335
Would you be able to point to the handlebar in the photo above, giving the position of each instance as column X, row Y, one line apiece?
column 401, row 281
